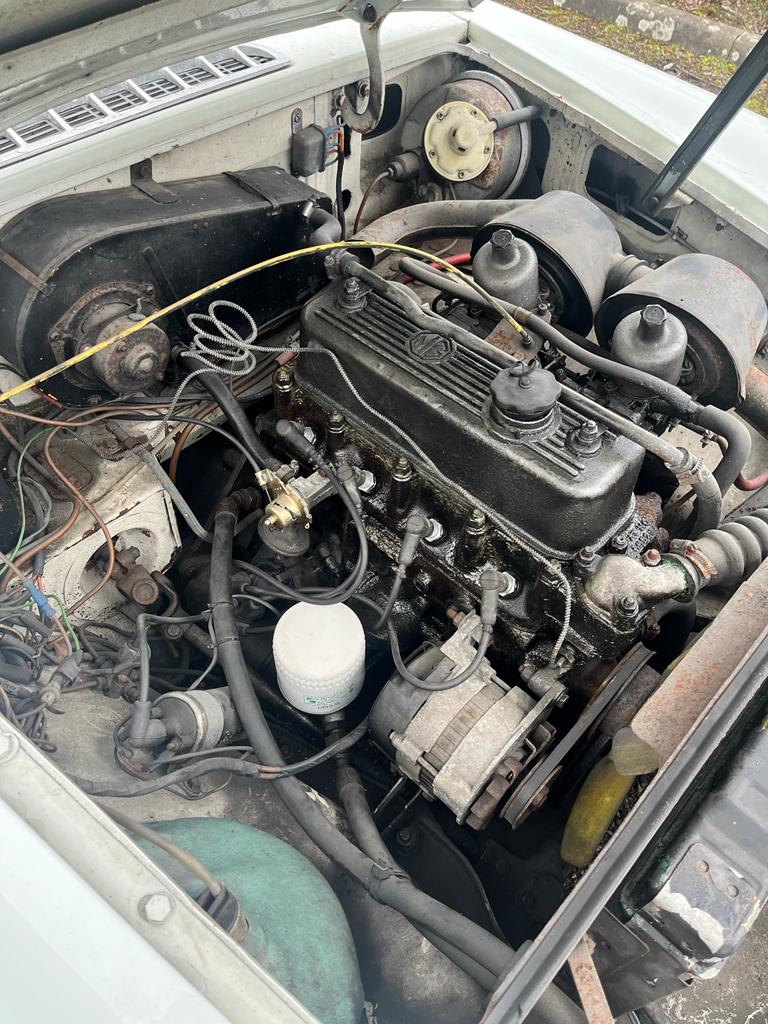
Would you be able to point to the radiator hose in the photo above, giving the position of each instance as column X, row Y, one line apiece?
column 385, row 884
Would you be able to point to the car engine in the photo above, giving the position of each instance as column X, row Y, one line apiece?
column 385, row 542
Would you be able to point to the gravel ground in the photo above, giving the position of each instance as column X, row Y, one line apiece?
column 709, row 72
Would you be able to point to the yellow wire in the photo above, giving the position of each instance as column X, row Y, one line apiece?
column 273, row 261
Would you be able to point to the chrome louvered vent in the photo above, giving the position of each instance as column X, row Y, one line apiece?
column 117, row 104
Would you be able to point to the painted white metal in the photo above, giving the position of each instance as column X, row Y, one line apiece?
column 646, row 110
column 127, row 101
column 322, row 59
column 75, row 944
column 111, row 49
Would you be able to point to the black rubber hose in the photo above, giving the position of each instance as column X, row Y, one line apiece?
column 519, row 116
column 238, row 418
column 709, row 416
column 690, row 471
column 355, row 803
column 325, row 227
column 392, row 889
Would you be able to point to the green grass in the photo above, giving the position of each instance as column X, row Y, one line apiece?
column 709, row 72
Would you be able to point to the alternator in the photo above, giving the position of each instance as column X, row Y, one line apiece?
column 467, row 745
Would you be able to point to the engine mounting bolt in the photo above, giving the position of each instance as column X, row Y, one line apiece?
column 503, row 242
column 336, row 422
column 652, row 557
column 402, row 470
column 156, row 908
column 620, row 543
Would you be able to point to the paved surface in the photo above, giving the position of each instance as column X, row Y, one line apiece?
column 738, row 995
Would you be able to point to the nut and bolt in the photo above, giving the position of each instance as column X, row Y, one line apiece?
column 476, row 521
column 652, row 319
column 502, row 242
column 366, row 481
column 651, row 557
column 732, row 891
column 432, row 153
column 440, row 115
column 508, row 584
column 352, row 296
column 462, row 174
column 435, row 531
column 586, row 560
column 336, row 422
column 620, row 543
column 628, row 608
column 586, row 439
column 283, row 379
column 703, row 867
column 156, row 908
column 402, row 471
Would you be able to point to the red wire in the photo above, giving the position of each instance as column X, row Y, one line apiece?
column 459, row 260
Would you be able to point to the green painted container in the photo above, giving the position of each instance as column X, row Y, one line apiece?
column 297, row 928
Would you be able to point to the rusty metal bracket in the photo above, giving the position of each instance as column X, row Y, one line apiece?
column 588, row 984
column 24, row 272
column 141, row 178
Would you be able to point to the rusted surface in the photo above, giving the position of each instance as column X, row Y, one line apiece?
column 588, row 985
column 505, row 338
column 666, row 718
column 754, row 408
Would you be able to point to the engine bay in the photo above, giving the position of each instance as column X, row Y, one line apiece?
column 361, row 560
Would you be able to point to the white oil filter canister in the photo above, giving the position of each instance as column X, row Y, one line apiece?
column 319, row 655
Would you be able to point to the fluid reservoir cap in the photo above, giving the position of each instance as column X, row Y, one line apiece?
column 319, row 653
column 525, row 392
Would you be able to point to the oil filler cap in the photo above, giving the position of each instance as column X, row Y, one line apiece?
column 319, row 653
column 524, row 392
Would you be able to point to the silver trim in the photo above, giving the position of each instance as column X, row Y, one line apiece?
column 144, row 94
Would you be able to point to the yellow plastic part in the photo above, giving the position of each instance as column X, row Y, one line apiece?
column 273, row 261
column 600, row 797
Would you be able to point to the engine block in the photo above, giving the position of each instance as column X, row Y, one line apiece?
column 436, row 385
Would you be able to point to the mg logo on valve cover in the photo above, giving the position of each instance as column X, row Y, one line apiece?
column 430, row 348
